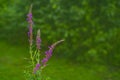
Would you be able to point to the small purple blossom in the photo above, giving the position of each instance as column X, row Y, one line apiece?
column 37, row 67
column 38, row 40
column 49, row 52
column 44, row 61
column 29, row 19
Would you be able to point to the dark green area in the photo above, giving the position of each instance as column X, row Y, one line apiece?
column 91, row 29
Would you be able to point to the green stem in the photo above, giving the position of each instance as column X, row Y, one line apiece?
column 38, row 56
column 31, row 56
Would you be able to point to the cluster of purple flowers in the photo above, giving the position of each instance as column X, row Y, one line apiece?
column 48, row 53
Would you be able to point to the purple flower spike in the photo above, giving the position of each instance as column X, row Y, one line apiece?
column 30, row 22
column 38, row 40
column 37, row 67
column 48, row 53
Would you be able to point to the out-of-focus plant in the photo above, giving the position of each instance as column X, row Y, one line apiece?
column 34, row 70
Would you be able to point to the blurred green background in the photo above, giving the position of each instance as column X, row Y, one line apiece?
column 91, row 29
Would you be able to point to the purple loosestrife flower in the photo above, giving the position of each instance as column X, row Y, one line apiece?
column 48, row 53
column 38, row 40
column 37, row 67
column 30, row 22
column 44, row 61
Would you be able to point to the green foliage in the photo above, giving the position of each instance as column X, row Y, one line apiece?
column 90, row 27
column 12, row 65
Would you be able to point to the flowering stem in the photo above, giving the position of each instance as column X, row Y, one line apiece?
column 30, row 34
column 49, row 53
